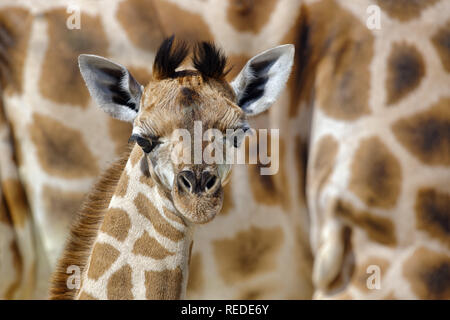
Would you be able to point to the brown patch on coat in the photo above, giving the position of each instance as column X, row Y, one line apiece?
column 378, row 229
column 433, row 214
column 334, row 49
column 61, row 205
column 61, row 150
column 119, row 284
column 147, row 180
column 136, row 155
column 61, row 80
column 148, row 210
column 254, row 293
column 120, row 132
column 428, row 273
column 18, row 267
column 376, row 174
column 190, row 253
column 11, row 142
column 195, row 279
column 140, row 21
column 15, row 26
column 163, row 285
column 361, row 274
column 323, row 161
column 390, row 296
column 116, row 223
column 404, row 10
column 269, row 189
column 186, row 25
column 149, row 247
column 85, row 228
column 304, row 269
column 102, row 258
column 173, row 216
column 301, row 161
column 122, row 186
column 301, row 80
column 86, row 296
column 343, row 296
column 16, row 200
column 249, row 253
column 441, row 42
column 248, row 16
column 426, row 135
column 344, row 76
column 405, row 69
column 4, row 213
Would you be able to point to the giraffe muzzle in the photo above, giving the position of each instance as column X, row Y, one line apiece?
column 206, row 182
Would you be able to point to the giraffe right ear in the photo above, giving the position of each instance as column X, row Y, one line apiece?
column 263, row 78
column 111, row 86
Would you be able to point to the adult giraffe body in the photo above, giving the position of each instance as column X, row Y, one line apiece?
column 265, row 222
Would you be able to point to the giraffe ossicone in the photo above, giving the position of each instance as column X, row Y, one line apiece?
column 133, row 238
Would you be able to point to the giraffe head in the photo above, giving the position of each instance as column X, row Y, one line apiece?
column 176, row 102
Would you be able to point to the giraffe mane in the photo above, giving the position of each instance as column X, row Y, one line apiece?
column 168, row 58
column 210, row 60
column 84, row 229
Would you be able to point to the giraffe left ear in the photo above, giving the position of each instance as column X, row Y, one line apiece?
column 111, row 86
column 263, row 78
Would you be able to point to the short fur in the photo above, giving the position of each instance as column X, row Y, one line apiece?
column 84, row 230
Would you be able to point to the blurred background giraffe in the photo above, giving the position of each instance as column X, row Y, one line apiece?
column 364, row 143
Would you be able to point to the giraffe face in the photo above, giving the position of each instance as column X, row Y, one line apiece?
column 178, row 115
column 182, row 116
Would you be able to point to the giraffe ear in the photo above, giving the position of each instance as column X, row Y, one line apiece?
column 111, row 86
column 263, row 78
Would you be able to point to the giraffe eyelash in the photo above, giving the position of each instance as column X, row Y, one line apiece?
column 147, row 144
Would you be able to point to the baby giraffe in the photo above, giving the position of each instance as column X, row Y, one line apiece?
column 132, row 238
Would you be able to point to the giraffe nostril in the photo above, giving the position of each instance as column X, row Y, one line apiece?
column 186, row 181
column 209, row 181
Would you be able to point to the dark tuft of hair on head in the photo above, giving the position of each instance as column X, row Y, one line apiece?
column 168, row 58
column 210, row 60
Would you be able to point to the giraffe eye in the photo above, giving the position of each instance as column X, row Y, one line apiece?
column 147, row 144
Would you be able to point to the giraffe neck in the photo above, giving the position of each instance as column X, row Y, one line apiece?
column 143, row 246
